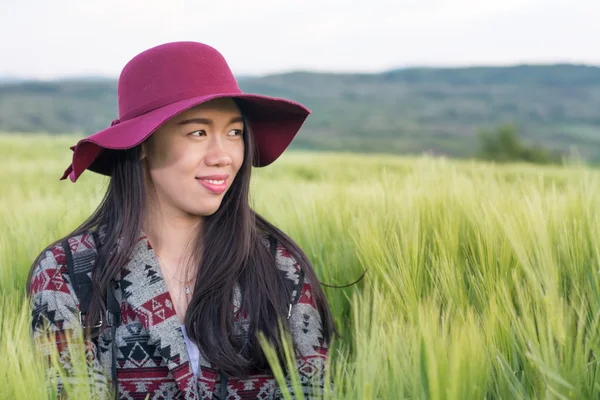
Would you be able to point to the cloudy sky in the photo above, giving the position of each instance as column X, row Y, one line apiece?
column 47, row 39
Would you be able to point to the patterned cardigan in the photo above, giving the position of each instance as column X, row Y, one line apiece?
column 152, row 357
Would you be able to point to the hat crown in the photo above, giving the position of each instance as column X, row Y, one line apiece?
column 169, row 73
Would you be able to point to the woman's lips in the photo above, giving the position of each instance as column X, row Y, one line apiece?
column 215, row 183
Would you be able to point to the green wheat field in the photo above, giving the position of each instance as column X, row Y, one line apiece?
column 482, row 282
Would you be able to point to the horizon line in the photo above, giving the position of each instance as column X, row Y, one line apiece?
column 8, row 78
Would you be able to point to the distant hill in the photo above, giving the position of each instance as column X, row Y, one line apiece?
column 10, row 79
column 401, row 111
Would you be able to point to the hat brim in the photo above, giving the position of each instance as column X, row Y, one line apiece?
column 274, row 123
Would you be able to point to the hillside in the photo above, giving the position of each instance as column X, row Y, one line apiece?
column 400, row 111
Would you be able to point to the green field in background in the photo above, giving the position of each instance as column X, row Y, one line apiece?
column 483, row 281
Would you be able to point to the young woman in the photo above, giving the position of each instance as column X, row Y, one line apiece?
column 180, row 274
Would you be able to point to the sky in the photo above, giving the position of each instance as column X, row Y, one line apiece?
column 49, row 39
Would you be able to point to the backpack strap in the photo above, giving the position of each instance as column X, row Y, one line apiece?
column 113, row 316
column 273, row 246
column 79, row 266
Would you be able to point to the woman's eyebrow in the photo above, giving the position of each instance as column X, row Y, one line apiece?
column 208, row 121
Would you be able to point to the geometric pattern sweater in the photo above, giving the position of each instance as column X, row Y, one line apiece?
column 152, row 357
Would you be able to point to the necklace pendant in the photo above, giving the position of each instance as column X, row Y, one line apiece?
column 187, row 289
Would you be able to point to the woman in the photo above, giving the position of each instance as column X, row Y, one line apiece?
column 180, row 274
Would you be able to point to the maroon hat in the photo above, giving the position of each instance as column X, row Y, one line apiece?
column 166, row 80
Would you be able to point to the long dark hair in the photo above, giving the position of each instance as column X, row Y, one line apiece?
column 231, row 250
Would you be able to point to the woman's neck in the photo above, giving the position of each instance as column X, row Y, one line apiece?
column 172, row 237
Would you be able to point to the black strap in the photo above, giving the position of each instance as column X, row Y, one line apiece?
column 113, row 318
column 113, row 308
column 70, row 266
column 83, row 290
column 223, row 388
column 273, row 246
column 113, row 315
column 96, row 239
column 80, row 282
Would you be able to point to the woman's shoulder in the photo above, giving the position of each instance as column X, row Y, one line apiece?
column 46, row 269
column 50, row 270
column 54, row 300
column 284, row 258
column 290, row 268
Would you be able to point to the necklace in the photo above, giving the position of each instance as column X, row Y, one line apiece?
column 186, row 286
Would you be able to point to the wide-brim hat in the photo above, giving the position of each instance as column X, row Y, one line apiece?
column 169, row 79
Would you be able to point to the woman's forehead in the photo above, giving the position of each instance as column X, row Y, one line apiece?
column 225, row 106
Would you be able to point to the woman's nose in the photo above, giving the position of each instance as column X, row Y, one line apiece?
column 217, row 154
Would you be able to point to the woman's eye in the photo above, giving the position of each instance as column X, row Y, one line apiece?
column 235, row 132
column 197, row 133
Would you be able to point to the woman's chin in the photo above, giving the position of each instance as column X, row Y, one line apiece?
column 204, row 211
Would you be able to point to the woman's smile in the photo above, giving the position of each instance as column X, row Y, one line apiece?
column 215, row 183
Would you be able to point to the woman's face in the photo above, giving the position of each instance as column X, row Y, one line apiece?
column 193, row 159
